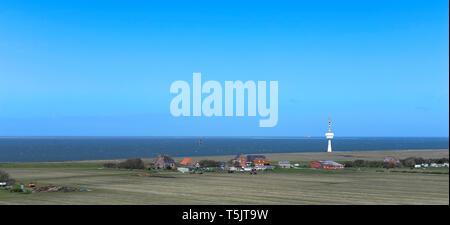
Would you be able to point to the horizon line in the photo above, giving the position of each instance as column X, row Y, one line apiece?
column 197, row 137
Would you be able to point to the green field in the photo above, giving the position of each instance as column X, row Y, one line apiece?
column 282, row 186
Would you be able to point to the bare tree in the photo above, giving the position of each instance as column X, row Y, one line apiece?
column 4, row 177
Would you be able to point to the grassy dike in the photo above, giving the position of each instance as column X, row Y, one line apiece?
column 281, row 186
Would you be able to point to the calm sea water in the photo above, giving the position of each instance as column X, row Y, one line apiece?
column 66, row 149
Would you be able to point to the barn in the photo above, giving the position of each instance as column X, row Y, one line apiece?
column 326, row 165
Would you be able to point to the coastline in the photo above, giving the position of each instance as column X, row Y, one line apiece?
column 82, row 149
column 298, row 156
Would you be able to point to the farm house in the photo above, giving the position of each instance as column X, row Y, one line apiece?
column 249, row 160
column 188, row 162
column 257, row 160
column 261, row 162
column 391, row 160
column 241, row 159
column 326, row 165
column 163, row 162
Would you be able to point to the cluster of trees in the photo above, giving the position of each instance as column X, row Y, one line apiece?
column 365, row 163
column 4, row 177
column 234, row 163
column 408, row 162
column 131, row 164
column 209, row 163
column 411, row 161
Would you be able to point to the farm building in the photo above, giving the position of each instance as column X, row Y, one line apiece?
column 261, row 162
column 284, row 164
column 241, row 159
column 249, row 160
column 225, row 165
column 163, row 162
column 188, row 162
column 326, row 165
column 259, row 158
column 391, row 160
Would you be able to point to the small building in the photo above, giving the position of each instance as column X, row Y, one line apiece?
column 261, row 162
column 164, row 162
column 249, row 160
column 188, row 162
column 391, row 160
column 241, row 159
column 284, row 164
column 326, row 165
column 225, row 165
column 252, row 158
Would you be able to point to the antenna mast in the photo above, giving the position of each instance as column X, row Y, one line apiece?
column 329, row 125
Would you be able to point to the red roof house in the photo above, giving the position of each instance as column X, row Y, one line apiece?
column 326, row 165
column 261, row 162
column 187, row 162
column 242, row 159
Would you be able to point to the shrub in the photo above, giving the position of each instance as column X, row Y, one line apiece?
column 132, row 163
column 365, row 163
column 16, row 189
column 408, row 162
column 234, row 163
column 110, row 165
column 411, row 161
column 441, row 160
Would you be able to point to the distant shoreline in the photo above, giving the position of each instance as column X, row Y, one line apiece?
column 203, row 137
column 297, row 156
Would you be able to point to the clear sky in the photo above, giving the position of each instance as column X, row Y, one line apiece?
column 104, row 68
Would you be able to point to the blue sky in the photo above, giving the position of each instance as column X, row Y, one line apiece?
column 104, row 68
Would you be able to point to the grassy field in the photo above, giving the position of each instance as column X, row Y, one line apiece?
column 282, row 186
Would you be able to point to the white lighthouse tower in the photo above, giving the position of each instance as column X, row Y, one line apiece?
column 329, row 135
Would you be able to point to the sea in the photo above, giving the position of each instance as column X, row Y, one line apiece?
column 48, row 149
